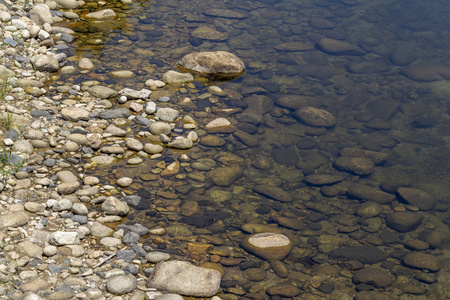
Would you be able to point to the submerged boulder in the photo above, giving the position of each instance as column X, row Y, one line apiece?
column 218, row 64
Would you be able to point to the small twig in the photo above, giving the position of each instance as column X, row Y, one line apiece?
column 108, row 258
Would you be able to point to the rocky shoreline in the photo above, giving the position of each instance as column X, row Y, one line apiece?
column 55, row 242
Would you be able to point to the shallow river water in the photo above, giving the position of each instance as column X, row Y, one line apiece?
column 389, row 93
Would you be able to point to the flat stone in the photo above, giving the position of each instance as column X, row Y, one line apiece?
column 426, row 72
column 285, row 290
column 61, row 238
column 102, row 92
column 13, row 219
column 416, row 197
column 225, row 176
column 335, row 47
column 422, row 261
column 122, row 74
column 246, row 139
column 377, row 157
column 404, row 221
column 373, row 276
column 269, row 246
column 158, row 128
column 363, row 254
column 45, row 63
column 367, row 193
column 213, row 63
column 323, row 179
column 294, row 47
column 99, row 230
column 315, row 117
column 40, row 13
column 209, row 33
column 75, row 114
column 357, row 165
column 225, row 13
column 177, row 77
column 167, row 114
column 220, row 125
column 181, row 143
column 134, row 94
column 273, row 192
column 103, row 14
column 120, row 285
column 113, row 206
column 184, row 278
column 402, row 57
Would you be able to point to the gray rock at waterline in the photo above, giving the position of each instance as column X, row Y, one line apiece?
column 102, row 92
column 120, row 285
column 150, row 108
column 114, row 114
column 71, row 4
column 177, row 77
column 41, row 14
column 213, row 63
column 45, row 63
column 134, row 94
column 63, row 204
column 74, row 114
column 113, row 206
column 160, row 128
column 167, row 114
column 181, row 143
column 103, row 14
column 184, row 278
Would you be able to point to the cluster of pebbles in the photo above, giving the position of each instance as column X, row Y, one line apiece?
column 64, row 231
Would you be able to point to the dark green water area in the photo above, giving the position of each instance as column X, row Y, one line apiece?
column 368, row 213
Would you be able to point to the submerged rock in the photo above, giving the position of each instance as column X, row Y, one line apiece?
column 270, row 246
column 218, row 63
column 332, row 46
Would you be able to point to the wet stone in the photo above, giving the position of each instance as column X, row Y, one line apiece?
column 422, row 261
column 367, row 193
column 404, row 221
column 114, row 114
column 212, row 141
column 375, row 277
column 323, row 179
column 426, row 72
column 120, row 285
column 269, row 246
column 416, row 197
column 273, row 192
column 284, row 156
column 402, row 57
column 363, row 254
column 369, row 210
column 336, row 47
column 357, row 165
column 315, row 117
column 184, row 278
column 287, row 290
